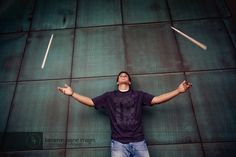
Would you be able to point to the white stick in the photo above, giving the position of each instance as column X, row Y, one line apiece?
column 191, row 39
column 46, row 54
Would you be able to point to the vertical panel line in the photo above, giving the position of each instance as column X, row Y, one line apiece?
column 18, row 74
column 71, row 73
column 185, row 77
column 228, row 33
column 123, row 36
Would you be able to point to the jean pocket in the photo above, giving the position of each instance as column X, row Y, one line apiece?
column 140, row 146
column 115, row 145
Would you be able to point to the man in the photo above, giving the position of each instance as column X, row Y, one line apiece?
column 124, row 108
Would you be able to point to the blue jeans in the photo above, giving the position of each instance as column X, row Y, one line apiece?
column 133, row 149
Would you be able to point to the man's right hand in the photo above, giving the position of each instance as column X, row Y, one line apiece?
column 67, row 90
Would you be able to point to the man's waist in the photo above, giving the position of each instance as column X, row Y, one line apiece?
column 127, row 139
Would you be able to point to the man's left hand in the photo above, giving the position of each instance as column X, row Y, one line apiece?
column 184, row 86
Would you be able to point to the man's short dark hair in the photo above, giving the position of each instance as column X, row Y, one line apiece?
column 125, row 73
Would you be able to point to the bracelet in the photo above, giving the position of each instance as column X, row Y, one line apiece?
column 72, row 93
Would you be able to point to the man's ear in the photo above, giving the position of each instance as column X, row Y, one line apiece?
column 129, row 83
column 117, row 83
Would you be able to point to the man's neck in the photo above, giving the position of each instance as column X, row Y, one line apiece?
column 123, row 87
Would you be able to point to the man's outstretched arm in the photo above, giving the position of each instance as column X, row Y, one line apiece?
column 67, row 90
column 183, row 87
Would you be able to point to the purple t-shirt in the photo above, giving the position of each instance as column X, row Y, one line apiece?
column 125, row 112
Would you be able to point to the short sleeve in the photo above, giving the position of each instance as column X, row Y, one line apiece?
column 100, row 101
column 147, row 99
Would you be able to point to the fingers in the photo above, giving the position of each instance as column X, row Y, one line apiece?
column 66, row 85
column 187, row 84
column 60, row 89
column 183, row 82
column 184, row 86
column 65, row 90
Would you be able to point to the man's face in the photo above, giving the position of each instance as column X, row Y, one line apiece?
column 123, row 79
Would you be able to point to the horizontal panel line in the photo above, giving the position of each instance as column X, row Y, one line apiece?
column 149, row 145
column 132, row 74
column 127, row 24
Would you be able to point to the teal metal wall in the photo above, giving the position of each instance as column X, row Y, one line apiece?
column 93, row 41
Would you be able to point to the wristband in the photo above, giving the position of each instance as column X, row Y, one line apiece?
column 72, row 93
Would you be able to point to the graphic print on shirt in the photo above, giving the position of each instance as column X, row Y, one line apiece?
column 125, row 112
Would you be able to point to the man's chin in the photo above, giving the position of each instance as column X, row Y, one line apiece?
column 123, row 83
